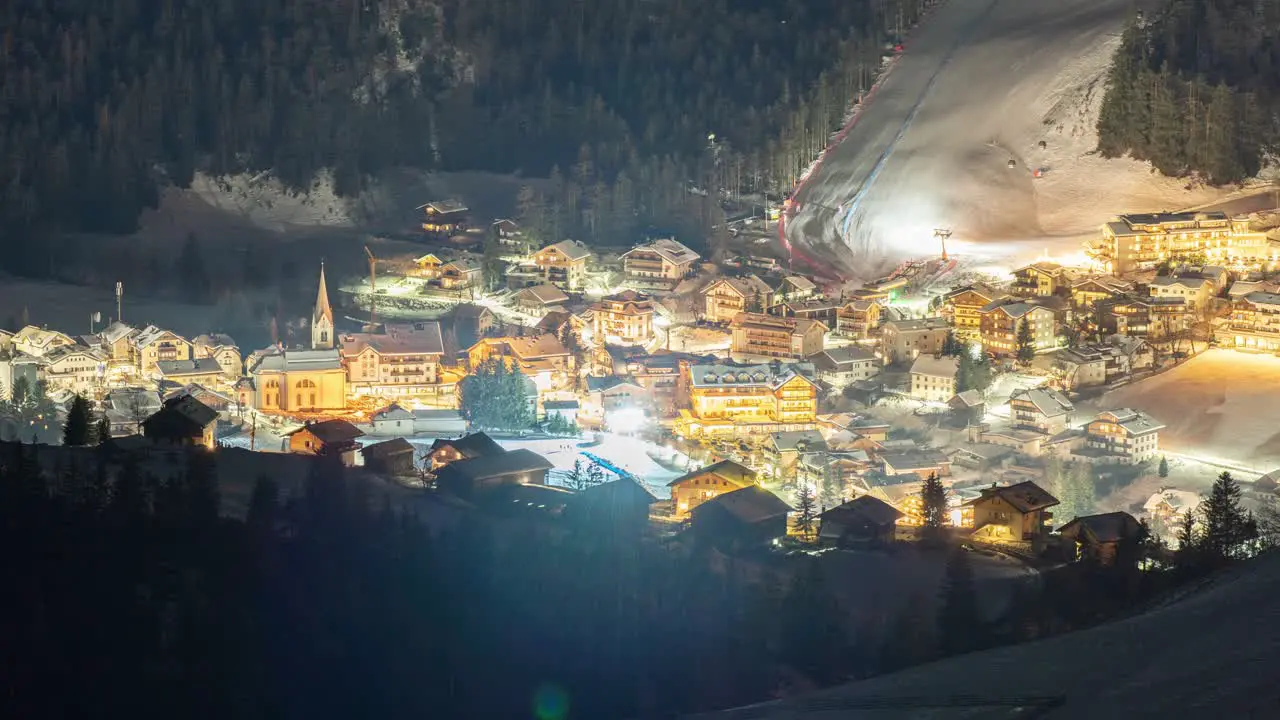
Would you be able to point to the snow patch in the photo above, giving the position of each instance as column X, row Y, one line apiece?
column 267, row 203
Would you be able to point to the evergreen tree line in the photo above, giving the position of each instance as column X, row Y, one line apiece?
column 1197, row 89
column 108, row 103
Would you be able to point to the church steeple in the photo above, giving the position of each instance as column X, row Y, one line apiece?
column 322, row 318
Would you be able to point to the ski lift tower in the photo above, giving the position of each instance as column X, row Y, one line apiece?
column 942, row 234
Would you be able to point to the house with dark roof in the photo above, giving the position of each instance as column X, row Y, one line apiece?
column 540, row 299
column 476, row 476
column 1102, row 539
column 861, row 522
column 1014, row 513
column 182, row 420
column 204, row 371
column 747, row 517
column 327, row 437
column 389, row 457
column 620, row 506
column 694, row 488
column 475, row 445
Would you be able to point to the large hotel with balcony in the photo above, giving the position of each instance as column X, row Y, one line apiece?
column 1254, row 323
column 1142, row 241
column 740, row 401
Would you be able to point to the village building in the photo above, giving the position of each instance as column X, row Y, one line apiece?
column 461, row 274
column 563, row 264
column 843, row 365
column 1253, row 325
column 1196, row 292
column 539, row 300
column 201, row 371
column 74, row 368
column 396, row 420
column 182, row 420
column 475, row 477
column 611, row 393
column 858, row 318
column 1041, row 409
column 729, row 400
column 222, row 349
column 662, row 263
column 724, row 298
column 823, row 310
column 920, row 462
column 1102, row 539
column 506, row 229
column 1142, row 241
column 543, row 358
column 933, row 379
column 1093, row 365
column 1040, row 279
column 428, row 265
column 1144, row 317
column 1125, row 436
column 443, row 218
column 1000, row 325
column 1167, row 507
column 467, row 447
column 470, row 322
column 740, row 519
column 962, row 307
column 1086, row 292
column 694, row 488
column 327, row 437
column 153, row 345
column 794, row 288
column 390, row 457
column 38, row 342
column 296, row 381
column 116, row 341
column 16, row 368
column 906, row 340
column 402, row 361
column 618, row 507
column 625, row 319
column 566, row 410
column 862, row 522
column 783, row 449
column 1015, row 513
column 779, row 337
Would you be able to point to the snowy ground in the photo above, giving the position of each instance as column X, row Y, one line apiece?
column 982, row 82
column 1218, row 406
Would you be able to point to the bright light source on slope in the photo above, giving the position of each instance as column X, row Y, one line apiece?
column 625, row 420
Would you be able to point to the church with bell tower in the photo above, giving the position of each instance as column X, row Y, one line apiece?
column 322, row 318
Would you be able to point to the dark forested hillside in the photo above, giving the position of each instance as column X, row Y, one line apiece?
column 1197, row 89
column 105, row 102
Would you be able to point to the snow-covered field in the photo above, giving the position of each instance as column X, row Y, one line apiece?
column 1219, row 406
column 982, row 82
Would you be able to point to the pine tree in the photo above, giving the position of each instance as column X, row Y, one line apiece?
column 1026, row 342
column 577, row 479
column 1163, row 470
column 595, row 474
column 102, row 431
column 951, row 345
column 959, row 626
column 806, row 510
column 933, row 503
column 1226, row 525
column 78, row 428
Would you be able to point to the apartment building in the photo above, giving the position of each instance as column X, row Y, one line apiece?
column 38, row 342
column 933, row 379
column 858, row 318
column 543, row 358
column 772, row 336
column 1144, row 317
column 1125, row 436
column 795, row 287
column 821, row 309
column 905, row 340
column 402, row 361
column 730, row 400
column 625, row 319
column 662, row 263
column 1254, row 323
column 962, row 307
column 1000, row 323
column 724, row 298
column 1087, row 292
column 221, row 348
column 846, row 364
column 563, row 264
column 1139, row 241
column 1040, row 279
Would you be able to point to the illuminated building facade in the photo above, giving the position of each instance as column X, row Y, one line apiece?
column 730, row 400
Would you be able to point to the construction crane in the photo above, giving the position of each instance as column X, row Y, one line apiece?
column 373, row 286
column 942, row 234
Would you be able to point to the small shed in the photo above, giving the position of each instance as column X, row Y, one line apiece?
column 621, row 506
column 749, row 517
column 327, row 437
column 390, row 457
column 182, row 420
column 1101, row 538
